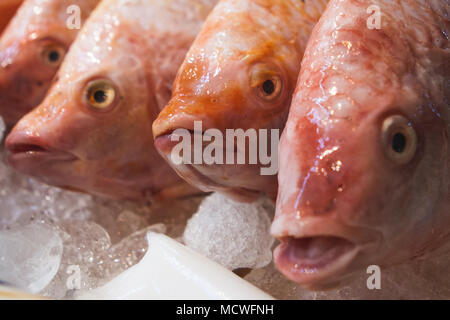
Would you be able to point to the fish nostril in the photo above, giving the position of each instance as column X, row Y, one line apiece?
column 25, row 147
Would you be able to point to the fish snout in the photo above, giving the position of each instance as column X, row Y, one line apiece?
column 211, row 152
column 28, row 152
column 165, row 144
column 174, row 139
column 181, row 119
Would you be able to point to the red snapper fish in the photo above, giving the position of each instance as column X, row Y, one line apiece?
column 240, row 74
column 365, row 156
column 93, row 131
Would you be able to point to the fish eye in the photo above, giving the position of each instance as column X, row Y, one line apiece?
column 100, row 94
column 266, row 82
column 268, row 87
column 53, row 54
column 399, row 139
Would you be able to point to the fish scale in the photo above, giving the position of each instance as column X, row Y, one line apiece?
column 92, row 132
column 241, row 43
column 364, row 158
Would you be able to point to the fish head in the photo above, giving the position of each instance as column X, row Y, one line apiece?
column 32, row 49
column 92, row 132
column 364, row 158
column 27, row 67
column 234, row 77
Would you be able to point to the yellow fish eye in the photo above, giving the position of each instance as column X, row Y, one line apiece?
column 53, row 54
column 271, row 87
column 399, row 139
column 267, row 84
column 100, row 94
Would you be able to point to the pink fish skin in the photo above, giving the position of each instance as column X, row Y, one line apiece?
column 31, row 51
column 365, row 156
column 8, row 9
column 243, row 45
column 93, row 130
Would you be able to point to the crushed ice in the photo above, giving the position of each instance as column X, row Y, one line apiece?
column 48, row 236
column 236, row 235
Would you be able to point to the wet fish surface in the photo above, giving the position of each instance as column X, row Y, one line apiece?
column 239, row 74
column 93, row 131
column 365, row 155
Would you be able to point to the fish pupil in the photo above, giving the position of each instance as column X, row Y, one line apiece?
column 100, row 96
column 53, row 56
column 399, row 142
column 268, row 87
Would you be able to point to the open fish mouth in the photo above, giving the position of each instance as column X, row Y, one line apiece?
column 312, row 260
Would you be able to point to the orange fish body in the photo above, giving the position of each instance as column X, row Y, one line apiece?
column 239, row 74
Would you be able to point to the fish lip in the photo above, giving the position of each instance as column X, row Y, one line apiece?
column 321, row 272
column 22, row 148
column 289, row 226
column 162, row 127
column 39, row 156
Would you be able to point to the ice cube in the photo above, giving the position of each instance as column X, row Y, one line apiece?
column 83, row 242
column 236, row 235
column 30, row 256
